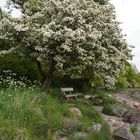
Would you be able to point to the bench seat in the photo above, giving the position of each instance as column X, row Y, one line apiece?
column 68, row 93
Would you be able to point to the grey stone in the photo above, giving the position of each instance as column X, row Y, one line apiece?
column 57, row 136
column 94, row 128
column 75, row 111
column 137, row 135
column 80, row 135
column 119, row 110
column 98, row 108
column 137, row 125
column 88, row 97
column 71, row 123
column 135, row 94
column 123, row 133
column 132, row 116
column 62, row 138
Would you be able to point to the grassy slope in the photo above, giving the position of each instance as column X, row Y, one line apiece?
column 29, row 114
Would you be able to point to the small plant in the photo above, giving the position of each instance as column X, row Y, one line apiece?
column 103, row 98
column 108, row 109
column 133, row 129
column 8, row 79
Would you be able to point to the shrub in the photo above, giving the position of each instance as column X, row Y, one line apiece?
column 133, row 129
column 122, row 82
column 20, row 66
column 103, row 98
column 108, row 109
column 8, row 79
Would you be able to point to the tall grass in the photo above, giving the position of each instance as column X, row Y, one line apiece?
column 29, row 114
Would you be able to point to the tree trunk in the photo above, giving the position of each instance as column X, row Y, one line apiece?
column 48, row 79
column 42, row 73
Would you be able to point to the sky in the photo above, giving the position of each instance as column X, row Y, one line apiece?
column 127, row 12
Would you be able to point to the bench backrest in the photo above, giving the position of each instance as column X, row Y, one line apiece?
column 66, row 89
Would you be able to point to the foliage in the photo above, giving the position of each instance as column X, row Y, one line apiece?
column 130, row 78
column 76, row 38
column 122, row 82
column 8, row 79
column 103, row 98
column 133, row 129
column 20, row 66
column 108, row 109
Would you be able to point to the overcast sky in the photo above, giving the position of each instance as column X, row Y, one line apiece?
column 128, row 13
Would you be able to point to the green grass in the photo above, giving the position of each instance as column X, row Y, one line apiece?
column 103, row 98
column 108, row 109
column 29, row 114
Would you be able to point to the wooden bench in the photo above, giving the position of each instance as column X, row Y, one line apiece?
column 68, row 93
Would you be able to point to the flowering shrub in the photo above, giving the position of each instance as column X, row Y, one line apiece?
column 8, row 79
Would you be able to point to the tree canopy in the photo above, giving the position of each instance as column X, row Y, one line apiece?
column 77, row 38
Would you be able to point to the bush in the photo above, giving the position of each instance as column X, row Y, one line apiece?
column 8, row 79
column 122, row 82
column 108, row 109
column 103, row 98
column 133, row 129
column 20, row 66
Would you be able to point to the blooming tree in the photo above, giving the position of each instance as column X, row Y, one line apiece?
column 78, row 38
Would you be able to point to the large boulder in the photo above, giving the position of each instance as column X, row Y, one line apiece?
column 119, row 110
column 88, row 97
column 94, row 128
column 75, row 111
column 136, row 94
column 98, row 108
column 137, row 135
column 136, row 125
column 72, row 123
column 60, row 138
column 123, row 133
column 80, row 135
column 136, row 105
column 132, row 116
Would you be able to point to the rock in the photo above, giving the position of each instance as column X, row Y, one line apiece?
column 137, row 135
column 115, row 123
column 59, row 137
column 75, row 111
column 97, row 101
column 70, row 123
column 123, row 133
column 137, row 125
column 80, row 135
column 94, row 128
column 111, row 120
column 136, row 104
column 62, row 138
column 98, row 108
column 132, row 116
column 88, row 97
column 135, row 94
column 119, row 110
